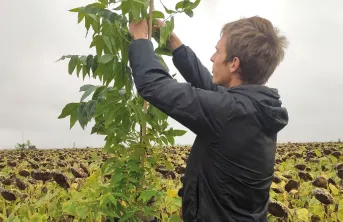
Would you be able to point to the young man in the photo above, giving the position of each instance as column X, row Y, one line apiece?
column 235, row 117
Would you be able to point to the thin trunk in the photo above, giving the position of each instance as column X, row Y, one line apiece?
column 151, row 9
column 143, row 127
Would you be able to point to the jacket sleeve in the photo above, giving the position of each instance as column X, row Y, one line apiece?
column 199, row 110
column 192, row 70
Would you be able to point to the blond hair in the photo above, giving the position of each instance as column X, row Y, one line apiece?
column 258, row 45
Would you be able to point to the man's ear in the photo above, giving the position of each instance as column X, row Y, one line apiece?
column 234, row 65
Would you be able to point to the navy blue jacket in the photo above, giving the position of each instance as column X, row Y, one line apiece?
column 231, row 164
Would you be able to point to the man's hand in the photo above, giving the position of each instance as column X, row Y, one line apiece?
column 173, row 42
column 139, row 30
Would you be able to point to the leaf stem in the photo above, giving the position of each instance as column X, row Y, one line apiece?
column 172, row 15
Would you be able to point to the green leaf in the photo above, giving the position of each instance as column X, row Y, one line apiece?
column 94, row 8
column 98, row 92
column 88, row 22
column 78, row 68
column 113, row 43
column 88, row 89
column 80, row 17
column 302, row 214
column 109, row 213
column 106, row 58
column 146, row 3
column 170, row 139
column 125, row 7
column 156, row 34
column 172, row 25
column 146, row 195
column 340, row 204
column 127, row 215
column 108, row 43
column 175, row 132
column 81, row 211
column 99, row 44
column 169, row 11
column 179, row 5
column 139, row 1
column 72, row 64
column 93, row 16
column 177, row 202
column 82, row 115
column 96, row 26
column 36, row 218
column 84, row 72
column 168, row 164
column 144, row 13
column 80, row 9
column 136, row 10
column 68, row 109
column 69, row 207
column 164, row 140
column 340, row 214
column 333, row 159
column 163, row 62
column 64, row 57
column 90, row 110
column 113, row 200
column 89, row 62
column 119, row 78
column 165, row 32
column 163, row 36
column 105, row 2
column 110, row 16
column 174, row 218
column 83, row 60
column 94, row 64
column 334, row 190
column 189, row 12
column 163, row 51
column 73, row 118
column 195, row 4
column 158, row 14
column 12, row 218
column 318, row 153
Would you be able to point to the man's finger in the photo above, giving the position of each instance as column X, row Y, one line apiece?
column 156, row 27
column 161, row 23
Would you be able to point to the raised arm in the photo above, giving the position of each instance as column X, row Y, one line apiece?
column 189, row 65
column 201, row 111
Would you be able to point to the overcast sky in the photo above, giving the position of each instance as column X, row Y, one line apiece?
column 34, row 89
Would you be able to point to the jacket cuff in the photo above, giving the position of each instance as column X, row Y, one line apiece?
column 140, row 43
column 139, row 47
column 178, row 49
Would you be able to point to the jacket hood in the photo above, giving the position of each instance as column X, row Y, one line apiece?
column 267, row 101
